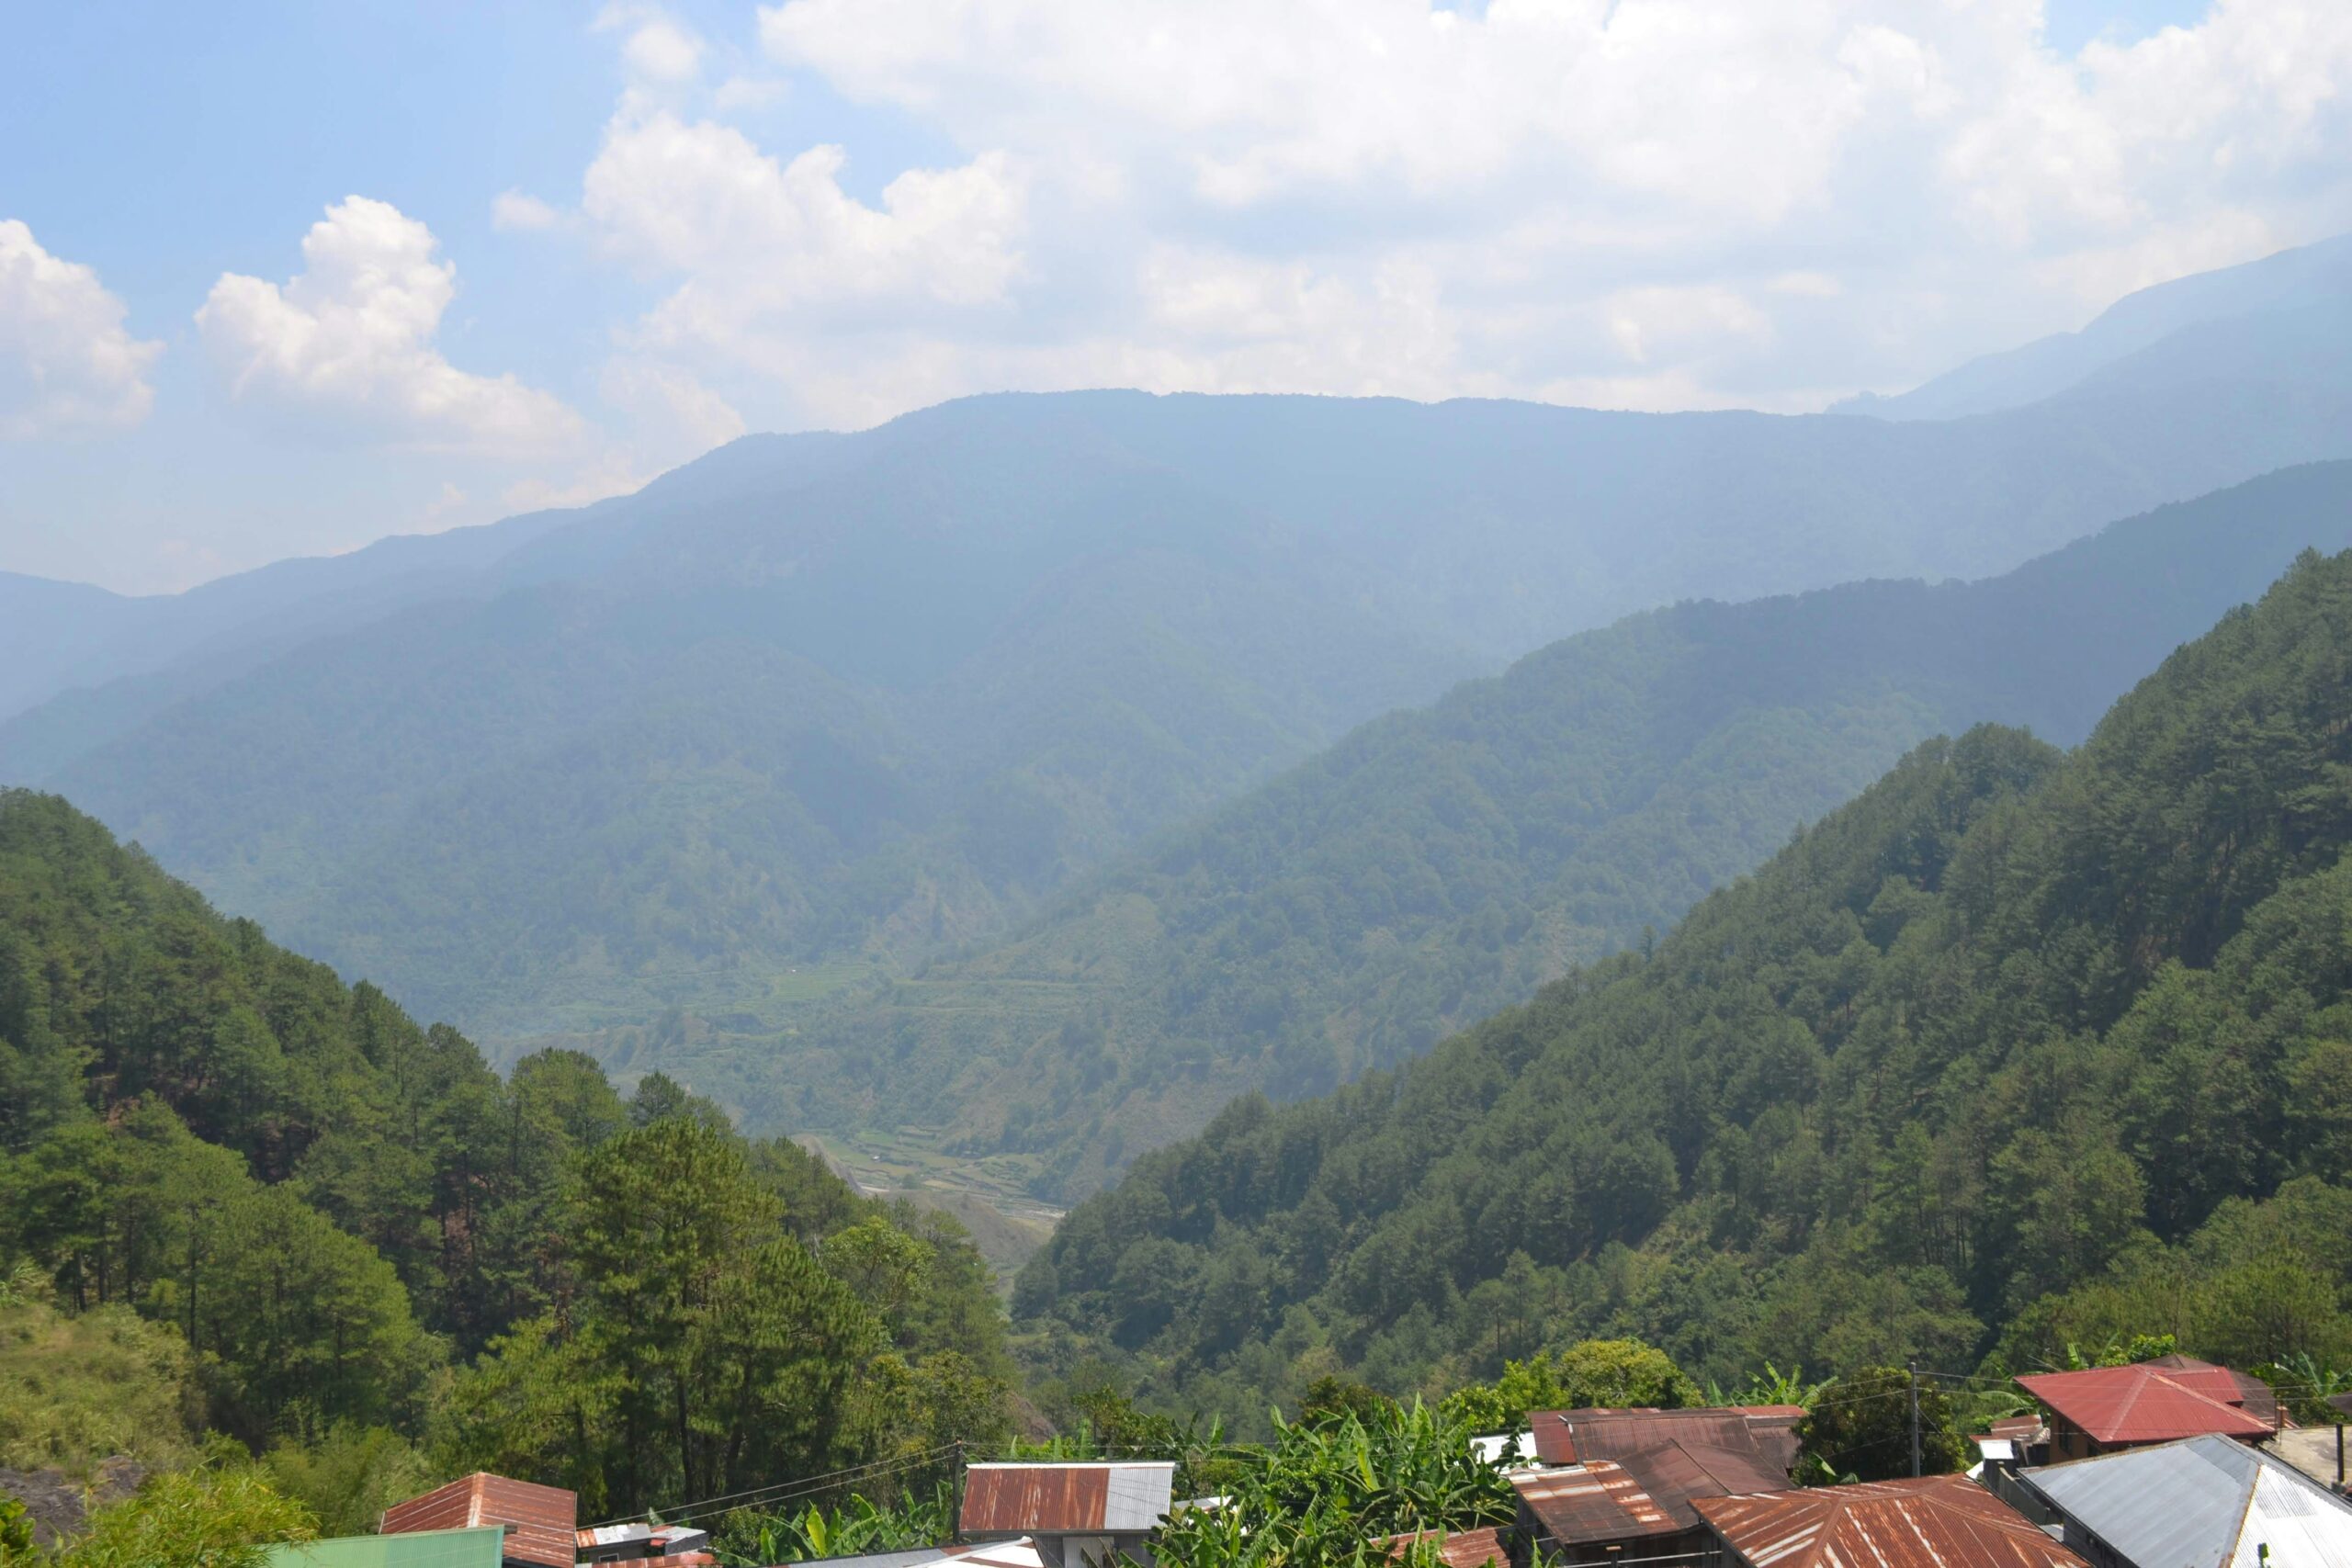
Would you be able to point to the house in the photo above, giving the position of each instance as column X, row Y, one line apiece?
column 481, row 1547
column 1076, row 1513
column 1936, row 1521
column 1638, row 1505
column 539, row 1522
column 1568, row 1436
column 2202, row 1502
column 2103, row 1409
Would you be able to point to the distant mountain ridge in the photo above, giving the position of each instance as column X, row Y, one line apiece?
column 817, row 706
column 1436, row 865
column 2312, row 281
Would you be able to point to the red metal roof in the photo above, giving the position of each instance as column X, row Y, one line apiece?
column 1459, row 1549
column 2145, row 1404
column 1939, row 1521
column 544, row 1516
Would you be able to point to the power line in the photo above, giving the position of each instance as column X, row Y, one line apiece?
column 804, row 1485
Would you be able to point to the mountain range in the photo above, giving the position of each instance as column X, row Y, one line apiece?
column 1440, row 863
column 700, row 774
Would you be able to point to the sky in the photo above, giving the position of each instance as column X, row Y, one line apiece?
column 280, row 279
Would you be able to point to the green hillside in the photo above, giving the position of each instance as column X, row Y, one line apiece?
column 1439, row 864
column 237, row 1196
column 855, row 702
column 2021, row 1048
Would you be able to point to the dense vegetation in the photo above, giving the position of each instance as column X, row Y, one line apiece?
column 857, row 701
column 1440, row 865
column 240, row 1202
column 2020, row 1050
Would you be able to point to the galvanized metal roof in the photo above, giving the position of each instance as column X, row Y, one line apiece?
column 1066, row 1499
column 2147, row 1404
column 544, row 1516
column 915, row 1557
column 426, row 1549
column 1020, row 1552
column 2207, row 1502
column 1937, row 1521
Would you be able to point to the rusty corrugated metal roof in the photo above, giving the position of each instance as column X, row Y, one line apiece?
column 1596, row 1501
column 544, row 1516
column 1643, row 1494
column 1066, row 1499
column 1676, row 1474
column 1567, row 1436
column 1937, row 1521
column 1459, row 1549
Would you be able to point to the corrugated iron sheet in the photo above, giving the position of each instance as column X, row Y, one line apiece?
column 2205, row 1501
column 2145, row 1404
column 1676, row 1474
column 1939, row 1521
column 1644, row 1493
column 1567, row 1436
column 1597, row 1501
column 545, row 1517
column 1066, row 1499
column 1459, row 1549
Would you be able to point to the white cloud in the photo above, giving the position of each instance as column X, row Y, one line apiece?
column 518, row 211
column 751, row 93
column 673, row 415
column 766, row 249
column 1648, row 203
column 658, row 49
column 67, row 361
column 352, row 337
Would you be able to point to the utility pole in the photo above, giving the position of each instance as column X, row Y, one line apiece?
column 956, row 1523
column 1915, row 1418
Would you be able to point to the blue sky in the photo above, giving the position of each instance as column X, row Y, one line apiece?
column 592, row 240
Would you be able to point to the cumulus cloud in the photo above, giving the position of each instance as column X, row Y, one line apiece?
column 768, row 250
column 518, row 211
column 67, row 361
column 1647, row 203
column 352, row 337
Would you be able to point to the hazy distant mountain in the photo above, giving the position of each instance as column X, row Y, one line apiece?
column 850, row 699
column 2311, row 286
column 1435, row 867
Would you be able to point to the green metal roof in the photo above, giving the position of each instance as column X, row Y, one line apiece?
column 422, row 1549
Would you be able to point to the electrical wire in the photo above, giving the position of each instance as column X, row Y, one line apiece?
column 819, row 1482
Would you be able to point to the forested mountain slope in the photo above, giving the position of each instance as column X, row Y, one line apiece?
column 347, row 1220
column 1436, row 865
column 846, row 701
column 2021, row 1047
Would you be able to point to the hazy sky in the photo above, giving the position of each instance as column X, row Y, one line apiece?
column 280, row 279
